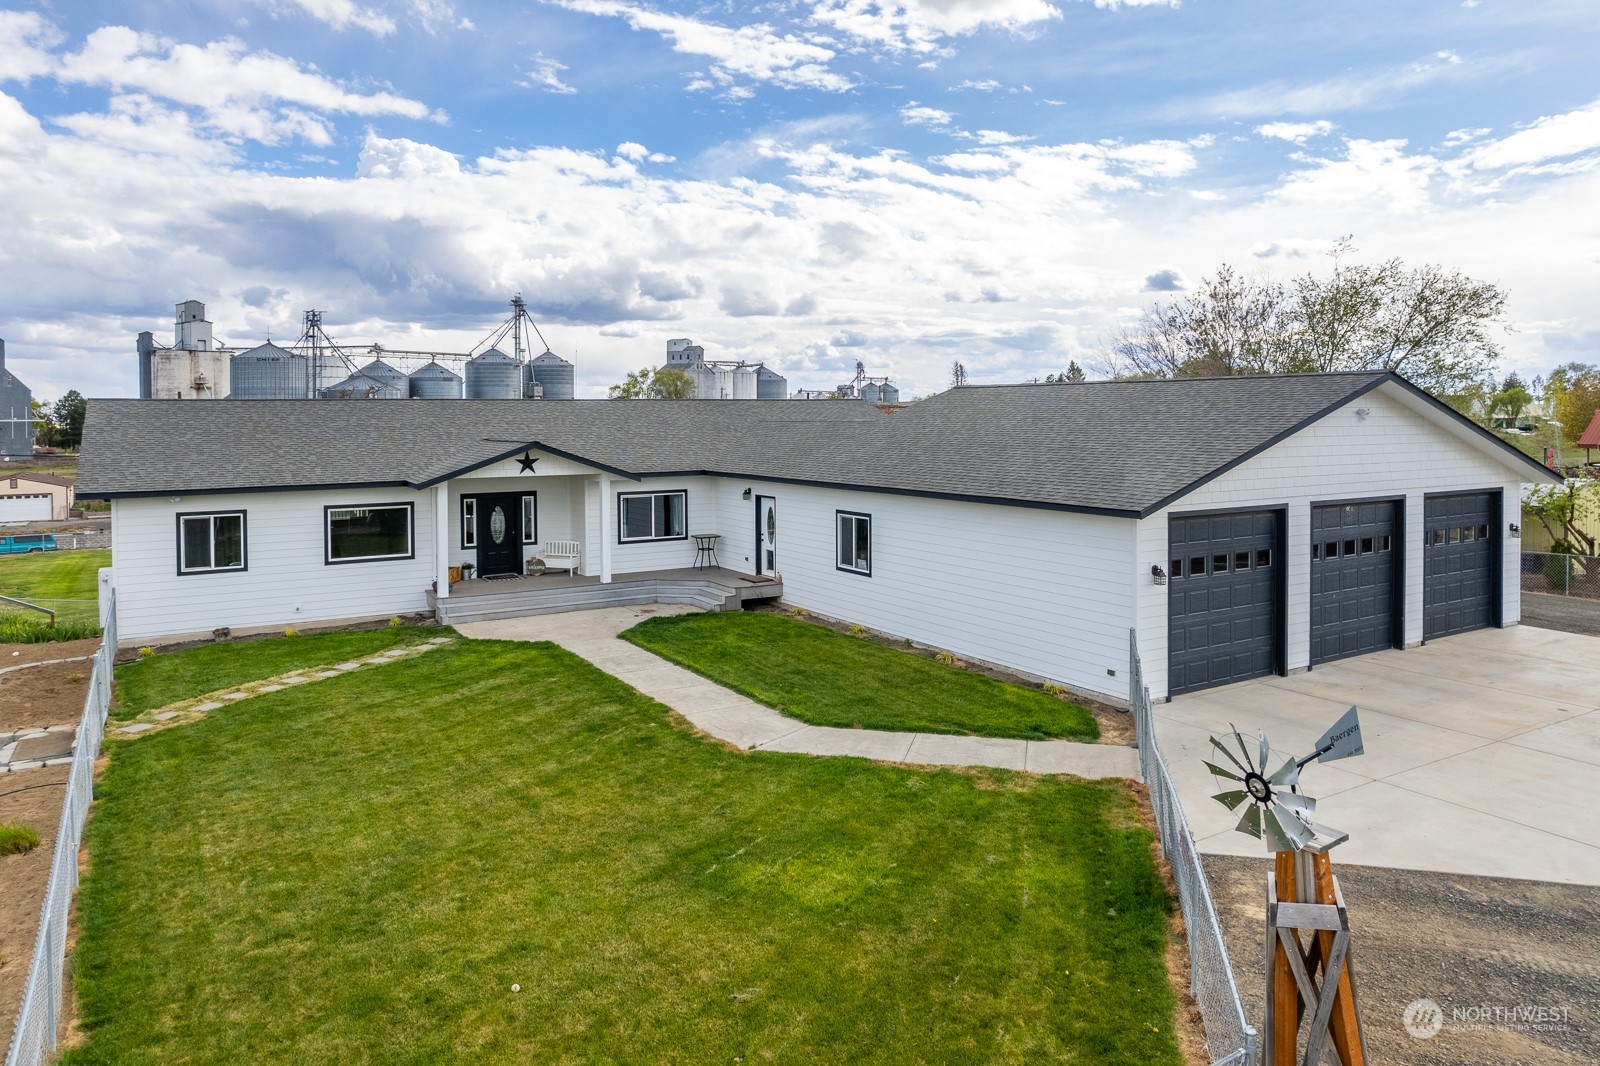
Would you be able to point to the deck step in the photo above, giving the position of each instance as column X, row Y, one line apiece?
column 704, row 594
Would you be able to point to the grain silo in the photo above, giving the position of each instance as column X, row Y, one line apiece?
column 887, row 393
column 268, row 372
column 494, row 375
column 375, row 381
column 434, row 382
column 771, row 385
column 870, row 391
column 744, row 382
column 553, row 374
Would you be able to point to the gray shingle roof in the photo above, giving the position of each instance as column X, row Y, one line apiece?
column 1110, row 447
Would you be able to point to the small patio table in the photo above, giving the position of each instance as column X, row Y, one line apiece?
column 705, row 550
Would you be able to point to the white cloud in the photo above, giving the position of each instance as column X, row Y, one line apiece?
column 378, row 19
column 1114, row 4
column 1333, row 95
column 1550, row 137
column 237, row 93
column 1462, row 136
column 26, row 43
column 987, row 85
column 344, row 14
column 993, row 137
column 751, row 53
column 920, row 25
column 545, row 73
column 914, row 114
column 1298, row 132
column 1374, row 174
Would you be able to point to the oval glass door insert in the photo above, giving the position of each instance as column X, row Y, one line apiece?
column 497, row 525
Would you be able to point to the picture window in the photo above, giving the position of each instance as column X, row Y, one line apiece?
column 652, row 516
column 367, row 534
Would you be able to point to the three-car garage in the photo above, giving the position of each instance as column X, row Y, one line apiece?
column 1229, row 595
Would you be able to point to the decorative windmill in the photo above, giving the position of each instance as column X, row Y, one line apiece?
column 1303, row 895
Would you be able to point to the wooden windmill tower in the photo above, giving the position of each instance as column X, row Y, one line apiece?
column 1310, row 973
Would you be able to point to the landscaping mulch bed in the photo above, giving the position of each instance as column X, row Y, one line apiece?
column 44, row 695
column 24, row 878
column 1461, row 941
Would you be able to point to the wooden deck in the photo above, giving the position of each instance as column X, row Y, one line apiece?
column 714, row 589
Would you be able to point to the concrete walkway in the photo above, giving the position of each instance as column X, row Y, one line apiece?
column 738, row 720
column 1482, row 754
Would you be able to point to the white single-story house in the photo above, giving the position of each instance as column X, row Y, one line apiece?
column 1242, row 526
column 26, row 497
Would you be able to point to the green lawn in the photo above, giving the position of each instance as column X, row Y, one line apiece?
column 66, row 582
column 827, row 678
column 359, row 870
column 171, row 676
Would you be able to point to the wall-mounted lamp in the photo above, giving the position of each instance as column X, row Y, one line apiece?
column 175, row 499
column 1158, row 575
column 1516, row 531
column 747, row 494
column 1362, row 413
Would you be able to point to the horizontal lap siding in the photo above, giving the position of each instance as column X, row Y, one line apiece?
column 1045, row 592
column 1397, row 451
column 286, row 582
column 559, row 519
column 700, row 517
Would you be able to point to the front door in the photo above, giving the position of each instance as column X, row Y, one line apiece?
column 499, row 535
column 767, row 536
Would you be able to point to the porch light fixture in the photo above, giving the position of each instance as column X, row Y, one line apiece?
column 1362, row 413
column 1158, row 575
column 1516, row 530
column 747, row 494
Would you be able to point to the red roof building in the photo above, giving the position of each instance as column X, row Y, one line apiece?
column 1591, row 436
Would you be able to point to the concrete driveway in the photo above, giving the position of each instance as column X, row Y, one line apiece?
column 1482, row 754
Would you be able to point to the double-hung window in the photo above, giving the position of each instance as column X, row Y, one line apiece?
column 854, row 542
column 368, row 533
column 208, row 543
column 652, row 516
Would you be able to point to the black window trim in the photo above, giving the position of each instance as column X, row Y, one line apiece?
column 244, row 543
column 327, row 532
column 836, row 533
column 467, row 544
column 653, row 539
column 522, row 518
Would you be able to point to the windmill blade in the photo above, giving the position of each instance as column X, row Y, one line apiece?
column 1218, row 745
column 1261, row 767
column 1238, row 738
column 1287, row 776
column 1343, row 738
column 1231, row 800
column 1299, row 805
column 1218, row 771
column 1290, row 832
column 1250, row 821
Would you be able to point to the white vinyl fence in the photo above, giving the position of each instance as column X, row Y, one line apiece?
column 35, row 1035
column 1230, row 1038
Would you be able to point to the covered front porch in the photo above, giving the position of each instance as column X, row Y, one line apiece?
column 712, row 589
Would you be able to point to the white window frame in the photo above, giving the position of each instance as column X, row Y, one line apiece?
column 211, row 517
column 327, row 533
column 469, row 521
column 655, row 516
column 841, row 519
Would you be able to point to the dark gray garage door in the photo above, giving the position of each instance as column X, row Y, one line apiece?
column 1223, row 606
column 1460, row 537
column 1352, row 579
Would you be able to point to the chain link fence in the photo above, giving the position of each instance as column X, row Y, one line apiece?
column 1558, row 574
column 1230, row 1038
column 34, row 1038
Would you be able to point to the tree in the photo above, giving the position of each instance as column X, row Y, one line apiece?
column 68, row 415
column 1074, row 373
column 1436, row 327
column 958, row 375
column 1573, row 392
column 1561, row 508
column 1511, row 400
column 44, row 428
column 652, row 384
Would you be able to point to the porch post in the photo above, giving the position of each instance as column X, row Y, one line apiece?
column 441, row 538
column 605, row 528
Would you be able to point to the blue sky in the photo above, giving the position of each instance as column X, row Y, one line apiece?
column 809, row 183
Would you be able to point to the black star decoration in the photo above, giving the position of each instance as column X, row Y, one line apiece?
column 526, row 462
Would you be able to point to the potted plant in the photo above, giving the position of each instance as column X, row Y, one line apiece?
column 467, row 569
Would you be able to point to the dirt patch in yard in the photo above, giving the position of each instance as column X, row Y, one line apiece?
column 1463, row 942
column 44, row 695
column 25, row 877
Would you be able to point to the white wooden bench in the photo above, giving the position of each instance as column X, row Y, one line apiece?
column 560, row 555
